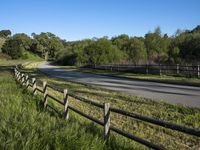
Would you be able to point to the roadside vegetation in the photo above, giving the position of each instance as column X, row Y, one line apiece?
column 154, row 48
column 179, row 79
column 178, row 114
column 25, row 125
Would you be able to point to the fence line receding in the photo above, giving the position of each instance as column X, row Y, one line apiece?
column 26, row 81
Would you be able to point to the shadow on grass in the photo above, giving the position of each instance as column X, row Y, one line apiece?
column 6, row 68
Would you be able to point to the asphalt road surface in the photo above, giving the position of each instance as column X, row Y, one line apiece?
column 186, row 95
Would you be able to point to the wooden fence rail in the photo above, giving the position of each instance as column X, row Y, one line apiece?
column 193, row 70
column 107, row 109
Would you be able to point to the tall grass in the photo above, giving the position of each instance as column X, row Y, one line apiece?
column 24, row 125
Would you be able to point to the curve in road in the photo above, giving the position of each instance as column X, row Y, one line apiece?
column 179, row 94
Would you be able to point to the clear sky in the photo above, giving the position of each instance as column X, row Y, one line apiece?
column 80, row 19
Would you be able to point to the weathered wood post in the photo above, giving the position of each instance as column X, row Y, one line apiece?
column 18, row 76
column 15, row 71
column 26, row 81
column 198, row 71
column 22, row 79
column 177, row 68
column 34, row 86
column 160, row 69
column 44, row 83
column 66, row 110
column 147, row 69
column 106, row 120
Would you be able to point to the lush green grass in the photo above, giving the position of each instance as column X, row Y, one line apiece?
column 27, row 57
column 4, row 62
column 174, row 113
column 30, row 56
column 24, row 125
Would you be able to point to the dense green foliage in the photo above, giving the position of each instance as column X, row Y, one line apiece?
column 5, row 33
column 154, row 47
column 21, row 45
column 46, row 44
column 2, row 40
column 102, row 51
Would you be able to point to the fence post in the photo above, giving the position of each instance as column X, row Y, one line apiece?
column 106, row 120
column 44, row 83
column 177, row 68
column 34, row 86
column 198, row 71
column 147, row 69
column 18, row 76
column 65, row 97
column 22, row 79
column 160, row 69
column 15, row 71
column 26, row 81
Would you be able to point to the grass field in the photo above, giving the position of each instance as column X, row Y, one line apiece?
column 174, row 113
column 24, row 125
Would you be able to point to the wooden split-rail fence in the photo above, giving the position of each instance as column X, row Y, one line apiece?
column 26, row 81
column 176, row 69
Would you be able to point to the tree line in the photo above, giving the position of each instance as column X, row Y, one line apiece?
column 154, row 47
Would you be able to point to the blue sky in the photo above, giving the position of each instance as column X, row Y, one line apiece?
column 80, row 19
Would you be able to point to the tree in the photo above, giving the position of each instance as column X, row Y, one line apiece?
column 73, row 53
column 47, row 44
column 5, row 33
column 17, row 45
column 157, row 46
column 13, row 47
column 25, row 40
column 2, row 41
column 102, row 52
column 137, row 52
column 152, row 43
column 174, row 55
column 190, row 48
column 121, row 41
column 157, row 31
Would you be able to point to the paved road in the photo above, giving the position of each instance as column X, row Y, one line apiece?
column 186, row 95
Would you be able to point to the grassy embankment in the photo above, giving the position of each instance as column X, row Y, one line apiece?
column 6, row 61
column 178, row 114
column 25, row 125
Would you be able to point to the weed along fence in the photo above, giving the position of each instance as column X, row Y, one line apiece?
column 106, row 108
column 193, row 70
